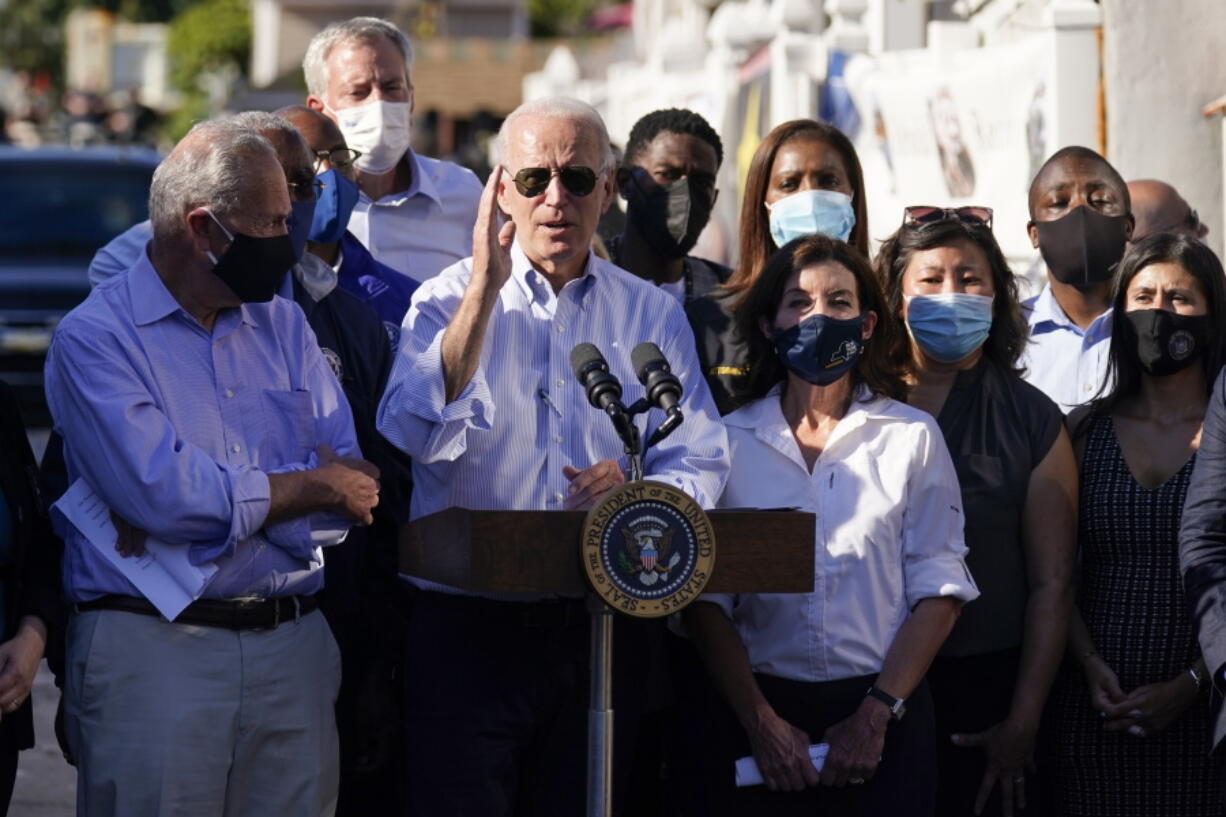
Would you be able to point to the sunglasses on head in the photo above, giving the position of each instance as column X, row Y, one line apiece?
column 533, row 181
column 922, row 215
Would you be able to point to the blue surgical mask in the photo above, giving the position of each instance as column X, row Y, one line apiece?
column 820, row 349
column 302, row 212
column 950, row 325
column 332, row 211
column 808, row 212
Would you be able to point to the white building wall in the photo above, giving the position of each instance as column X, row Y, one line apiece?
column 1164, row 61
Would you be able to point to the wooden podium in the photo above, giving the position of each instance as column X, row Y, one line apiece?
column 539, row 552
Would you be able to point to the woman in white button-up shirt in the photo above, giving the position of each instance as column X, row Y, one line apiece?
column 844, row 664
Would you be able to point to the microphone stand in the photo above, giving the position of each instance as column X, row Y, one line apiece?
column 600, row 669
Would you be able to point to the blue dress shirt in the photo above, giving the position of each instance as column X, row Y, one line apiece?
column 1062, row 360
column 421, row 231
column 523, row 416
column 177, row 430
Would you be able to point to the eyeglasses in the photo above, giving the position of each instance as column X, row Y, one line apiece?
column 306, row 190
column 921, row 216
column 533, row 181
column 339, row 157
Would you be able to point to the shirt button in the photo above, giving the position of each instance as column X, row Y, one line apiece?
column 558, row 439
column 557, row 497
column 561, row 382
column 229, row 393
column 560, row 328
column 236, row 448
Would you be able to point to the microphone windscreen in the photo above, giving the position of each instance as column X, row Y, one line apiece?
column 645, row 357
column 583, row 356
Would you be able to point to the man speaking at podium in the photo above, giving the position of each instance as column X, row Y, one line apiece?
column 483, row 398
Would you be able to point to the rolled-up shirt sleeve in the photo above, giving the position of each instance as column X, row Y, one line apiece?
column 933, row 546
column 126, row 449
column 414, row 414
column 694, row 457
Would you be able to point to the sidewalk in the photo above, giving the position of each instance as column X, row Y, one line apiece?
column 46, row 785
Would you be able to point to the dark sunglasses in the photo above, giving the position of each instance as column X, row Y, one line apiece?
column 921, row 216
column 533, row 181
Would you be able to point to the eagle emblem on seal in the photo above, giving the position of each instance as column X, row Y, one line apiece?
column 648, row 553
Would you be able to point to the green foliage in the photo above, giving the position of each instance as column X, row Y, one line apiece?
column 32, row 35
column 212, row 35
column 558, row 18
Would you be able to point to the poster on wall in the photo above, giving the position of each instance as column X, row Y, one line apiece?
column 951, row 129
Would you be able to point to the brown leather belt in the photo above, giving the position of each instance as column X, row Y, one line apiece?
column 241, row 614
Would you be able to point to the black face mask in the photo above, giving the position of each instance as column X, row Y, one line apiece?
column 253, row 267
column 1082, row 247
column 670, row 217
column 1166, row 342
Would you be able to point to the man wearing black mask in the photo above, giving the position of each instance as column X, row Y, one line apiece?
column 1080, row 221
column 668, row 180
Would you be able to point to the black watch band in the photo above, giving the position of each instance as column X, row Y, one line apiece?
column 897, row 706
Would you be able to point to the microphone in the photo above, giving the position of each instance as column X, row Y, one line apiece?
column 663, row 387
column 604, row 391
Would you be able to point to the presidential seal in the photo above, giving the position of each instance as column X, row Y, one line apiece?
column 648, row 549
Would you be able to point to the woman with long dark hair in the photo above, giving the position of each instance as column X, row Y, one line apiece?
column 1133, row 729
column 844, row 664
column 804, row 179
column 947, row 279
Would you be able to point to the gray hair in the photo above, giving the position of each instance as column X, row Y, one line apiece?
column 557, row 107
column 210, row 167
column 279, row 132
column 360, row 29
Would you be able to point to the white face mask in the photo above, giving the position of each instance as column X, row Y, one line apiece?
column 379, row 129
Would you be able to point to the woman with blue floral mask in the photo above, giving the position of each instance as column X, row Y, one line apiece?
column 826, row 432
column 947, row 279
column 804, row 179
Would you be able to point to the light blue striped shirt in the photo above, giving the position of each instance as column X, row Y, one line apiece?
column 1064, row 362
column 177, row 429
column 503, row 442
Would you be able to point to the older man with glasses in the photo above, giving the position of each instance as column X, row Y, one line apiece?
column 483, row 398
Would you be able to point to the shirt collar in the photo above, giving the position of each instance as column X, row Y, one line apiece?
column 536, row 287
column 419, row 184
column 765, row 418
column 1046, row 315
column 152, row 301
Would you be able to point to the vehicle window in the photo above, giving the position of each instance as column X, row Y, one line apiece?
column 69, row 209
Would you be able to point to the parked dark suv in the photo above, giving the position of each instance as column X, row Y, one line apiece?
column 59, row 206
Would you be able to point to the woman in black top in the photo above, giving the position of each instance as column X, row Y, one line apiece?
column 1131, row 707
column 29, row 588
column 946, row 277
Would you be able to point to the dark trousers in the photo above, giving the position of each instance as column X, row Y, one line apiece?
column 971, row 694
column 496, row 707
column 905, row 782
column 8, row 776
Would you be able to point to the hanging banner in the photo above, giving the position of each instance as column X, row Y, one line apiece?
column 954, row 128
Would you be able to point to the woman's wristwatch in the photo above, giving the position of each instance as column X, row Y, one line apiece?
column 897, row 706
